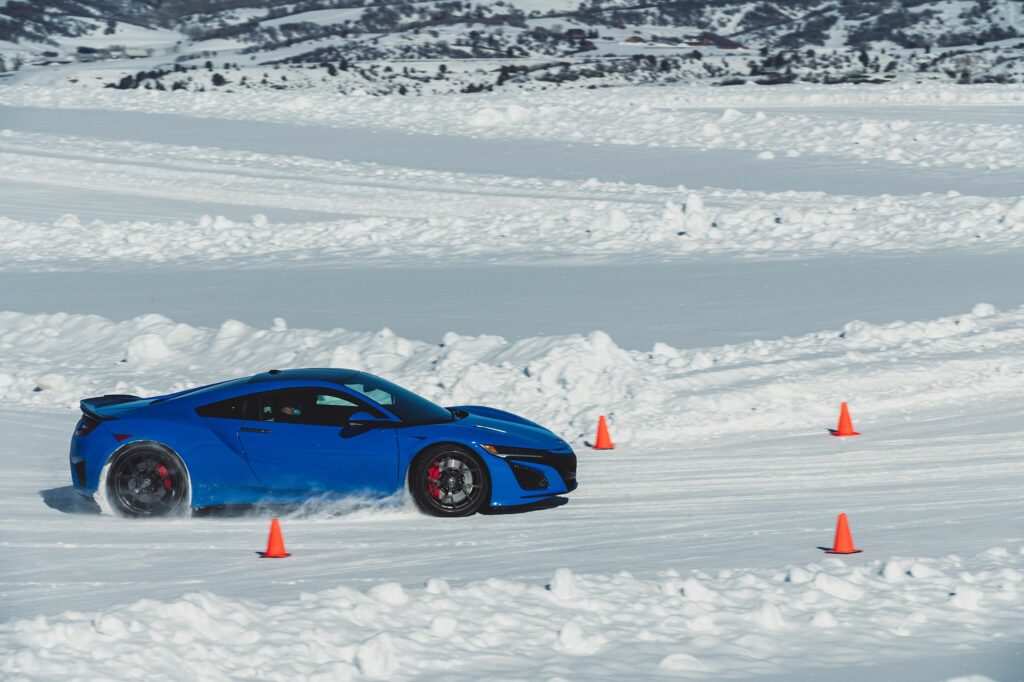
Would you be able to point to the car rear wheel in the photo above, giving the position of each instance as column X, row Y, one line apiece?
column 147, row 480
column 448, row 480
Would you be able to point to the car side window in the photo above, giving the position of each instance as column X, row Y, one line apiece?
column 310, row 406
column 374, row 393
column 242, row 407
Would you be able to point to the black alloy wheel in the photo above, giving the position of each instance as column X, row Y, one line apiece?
column 447, row 480
column 147, row 480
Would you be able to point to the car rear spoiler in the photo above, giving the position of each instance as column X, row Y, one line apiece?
column 91, row 406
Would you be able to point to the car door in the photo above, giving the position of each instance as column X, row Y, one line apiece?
column 303, row 442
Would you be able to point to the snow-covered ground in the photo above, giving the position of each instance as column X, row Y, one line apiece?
column 394, row 214
column 714, row 296
column 703, row 551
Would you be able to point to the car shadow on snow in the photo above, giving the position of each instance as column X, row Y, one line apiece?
column 66, row 500
column 234, row 511
column 315, row 507
column 547, row 503
column 347, row 506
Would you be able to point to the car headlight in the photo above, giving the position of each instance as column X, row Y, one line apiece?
column 513, row 451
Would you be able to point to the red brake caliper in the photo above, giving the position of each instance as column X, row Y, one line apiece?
column 162, row 471
column 433, row 476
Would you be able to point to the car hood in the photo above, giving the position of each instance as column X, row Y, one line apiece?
column 497, row 427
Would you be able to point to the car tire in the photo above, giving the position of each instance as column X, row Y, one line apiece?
column 146, row 479
column 449, row 481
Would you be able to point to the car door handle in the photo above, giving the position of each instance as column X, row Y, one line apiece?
column 249, row 429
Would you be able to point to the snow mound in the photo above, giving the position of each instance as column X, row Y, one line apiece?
column 665, row 395
column 684, row 662
column 517, row 629
column 837, row 587
column 489, row 117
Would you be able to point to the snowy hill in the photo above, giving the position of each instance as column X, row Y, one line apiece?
column 381, row 46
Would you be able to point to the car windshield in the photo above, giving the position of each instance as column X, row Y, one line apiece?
column 404, row 404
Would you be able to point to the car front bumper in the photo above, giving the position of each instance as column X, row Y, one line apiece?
column 524, row 479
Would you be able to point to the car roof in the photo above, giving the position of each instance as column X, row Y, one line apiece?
column 213, row 391
column 329, row 374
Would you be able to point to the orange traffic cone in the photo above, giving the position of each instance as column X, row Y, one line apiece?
column 604, row 441
column 845, row 427
column 843, row 544
column 275, row 543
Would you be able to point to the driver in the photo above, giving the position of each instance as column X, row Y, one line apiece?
column 291, row 410
column 285, row 413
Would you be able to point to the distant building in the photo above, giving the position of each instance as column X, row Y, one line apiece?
column 49, row 57
column 713, row 40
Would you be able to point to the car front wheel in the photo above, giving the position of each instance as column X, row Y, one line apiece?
column 447, row 480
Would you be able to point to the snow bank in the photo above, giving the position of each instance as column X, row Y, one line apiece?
column 746, row 623
column 680, row 116
column 393, row 215
column 663, row 395
column 684, row 225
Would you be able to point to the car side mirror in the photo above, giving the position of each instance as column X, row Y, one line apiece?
column 365, row 419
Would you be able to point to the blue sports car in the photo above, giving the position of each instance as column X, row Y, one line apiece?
column 283, row 436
